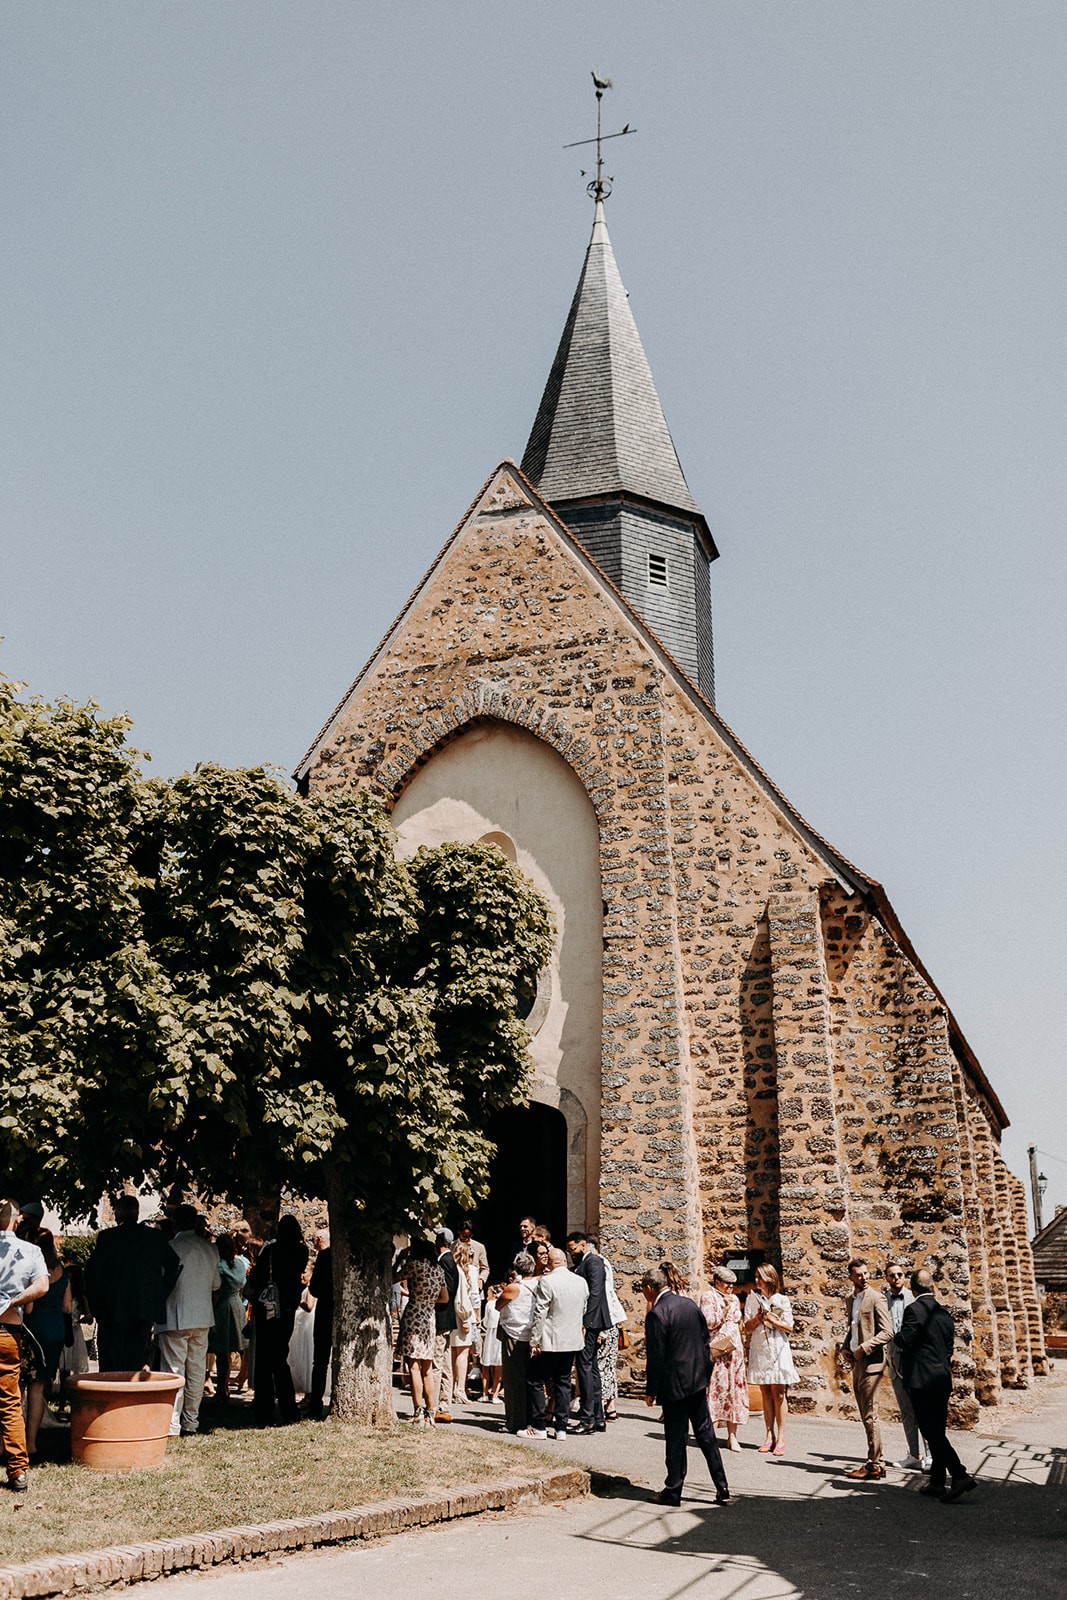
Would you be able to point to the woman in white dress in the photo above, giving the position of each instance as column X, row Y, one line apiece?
column 466, row 1333
column 302, row 1346
column 491, row 1354
column 768, row 1322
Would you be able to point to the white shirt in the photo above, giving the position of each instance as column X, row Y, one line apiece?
column 20, row 1265
column 516, row 1317
column 898, row 1300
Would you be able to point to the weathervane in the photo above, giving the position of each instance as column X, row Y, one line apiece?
column 600, row 187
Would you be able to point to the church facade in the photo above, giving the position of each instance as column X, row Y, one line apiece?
column 742, row 1054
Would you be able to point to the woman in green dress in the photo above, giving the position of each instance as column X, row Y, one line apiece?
column 227, row 1337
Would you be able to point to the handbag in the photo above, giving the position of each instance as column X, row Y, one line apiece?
column 463, row 1303
column 724, row 1343
column 270, row 1300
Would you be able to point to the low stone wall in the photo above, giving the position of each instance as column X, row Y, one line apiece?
column 157, row 1558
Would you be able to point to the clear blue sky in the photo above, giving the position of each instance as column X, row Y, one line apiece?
column 282, row 283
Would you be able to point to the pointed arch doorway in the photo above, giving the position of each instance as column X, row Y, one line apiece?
column 528, row 1176
column 500, row 784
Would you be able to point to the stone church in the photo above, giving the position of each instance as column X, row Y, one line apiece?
column 738, row 1055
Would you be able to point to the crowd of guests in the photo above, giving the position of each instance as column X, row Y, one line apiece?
column 555, row 1322
column 226, row 1312
column 554, row 1312
column 696, row 1369
column 556, row 1319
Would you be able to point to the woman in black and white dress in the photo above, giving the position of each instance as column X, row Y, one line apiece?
column 417, row 1269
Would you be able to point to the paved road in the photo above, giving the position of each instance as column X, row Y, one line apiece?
column 795, row 1528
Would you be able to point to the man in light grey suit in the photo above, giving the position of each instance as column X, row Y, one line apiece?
column 558, row 1333
column 183, row 1334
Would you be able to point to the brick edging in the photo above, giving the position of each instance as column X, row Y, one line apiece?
column 121, row 1564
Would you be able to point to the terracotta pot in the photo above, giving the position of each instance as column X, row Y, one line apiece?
column 119, row 1421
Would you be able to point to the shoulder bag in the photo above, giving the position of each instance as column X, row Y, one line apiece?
column 270, row 1300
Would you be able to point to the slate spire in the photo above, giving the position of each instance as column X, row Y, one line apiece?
column 600, row 427
column 601, row 454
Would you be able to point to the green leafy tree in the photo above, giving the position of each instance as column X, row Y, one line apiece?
column 81, row 1001
column 260, row 992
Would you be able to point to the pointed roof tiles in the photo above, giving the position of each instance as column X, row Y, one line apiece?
column 600, row 428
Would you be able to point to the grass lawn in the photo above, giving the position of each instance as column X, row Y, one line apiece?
column 239, row 1474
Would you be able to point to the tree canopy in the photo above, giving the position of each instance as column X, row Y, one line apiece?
column 216, row 979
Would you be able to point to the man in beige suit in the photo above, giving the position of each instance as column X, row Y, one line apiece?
column 869, row 1331
column 190, row 1314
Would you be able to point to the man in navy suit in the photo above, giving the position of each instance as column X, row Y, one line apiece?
column 590, row 1266
column 677, row 1373
column 926, row 1338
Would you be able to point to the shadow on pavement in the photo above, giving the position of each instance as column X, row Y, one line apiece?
column 1008, row 1536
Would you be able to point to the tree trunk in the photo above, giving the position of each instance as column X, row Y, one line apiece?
column 362, row 1326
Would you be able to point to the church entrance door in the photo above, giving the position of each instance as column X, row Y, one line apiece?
column 528, row 1176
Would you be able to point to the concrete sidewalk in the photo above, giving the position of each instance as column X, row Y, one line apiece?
column 795, row 1528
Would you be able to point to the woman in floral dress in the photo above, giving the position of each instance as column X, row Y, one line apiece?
column 425, row 1281
column 728, row 1389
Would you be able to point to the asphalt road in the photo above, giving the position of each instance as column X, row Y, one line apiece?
column 794, row 1528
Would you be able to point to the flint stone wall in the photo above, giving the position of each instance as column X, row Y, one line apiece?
column 775, row 1071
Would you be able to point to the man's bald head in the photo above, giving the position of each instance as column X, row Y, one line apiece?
column 922, row 1282
column 556, row 1258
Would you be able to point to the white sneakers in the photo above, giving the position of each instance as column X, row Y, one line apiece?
column 913, row 1464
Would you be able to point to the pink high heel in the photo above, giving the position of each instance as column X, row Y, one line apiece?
column 765, row 1449
column 779, row 1450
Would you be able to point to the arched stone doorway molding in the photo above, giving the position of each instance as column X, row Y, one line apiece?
column 496, row 779
column 487, row 703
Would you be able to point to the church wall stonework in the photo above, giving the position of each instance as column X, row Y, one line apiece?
column 776, row 1073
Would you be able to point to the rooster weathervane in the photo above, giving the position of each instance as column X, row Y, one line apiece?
column 600, row 186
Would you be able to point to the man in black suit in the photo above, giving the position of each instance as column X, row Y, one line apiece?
column 677, row 1373
column 590, row 1266
column 128, row 1277
column 926, row 1337
column 444, row 1317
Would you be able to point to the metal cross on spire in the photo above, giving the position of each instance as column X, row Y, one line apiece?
column 600, row 187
